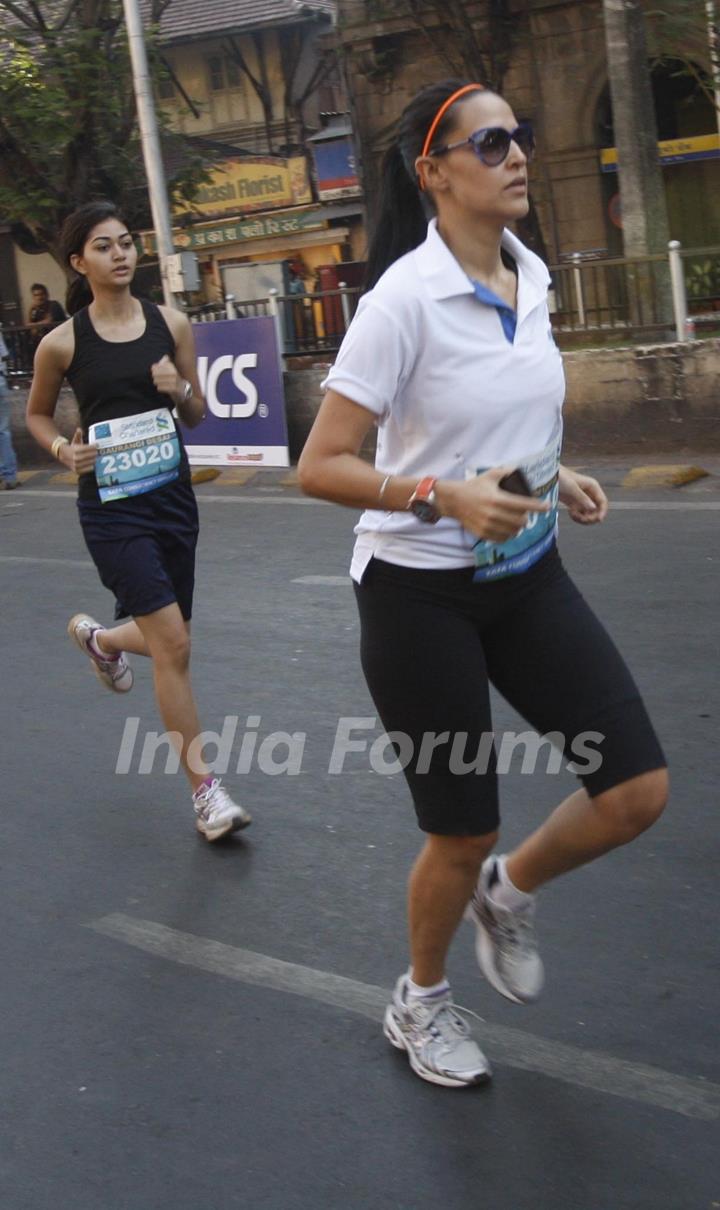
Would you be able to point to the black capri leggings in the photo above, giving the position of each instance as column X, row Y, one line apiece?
column 433, row 641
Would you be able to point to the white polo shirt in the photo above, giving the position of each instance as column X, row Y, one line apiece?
column 451, row 394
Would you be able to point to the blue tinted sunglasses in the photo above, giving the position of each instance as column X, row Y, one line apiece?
column 492, row 143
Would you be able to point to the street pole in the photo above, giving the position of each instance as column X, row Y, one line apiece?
column 714, row 55
column 154, row 170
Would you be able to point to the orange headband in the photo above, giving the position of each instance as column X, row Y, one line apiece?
column 443, row 110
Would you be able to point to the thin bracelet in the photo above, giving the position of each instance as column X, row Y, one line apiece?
column 383, row 485
column 57, row 445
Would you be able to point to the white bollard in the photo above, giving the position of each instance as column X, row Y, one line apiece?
column 679, row 297
column 274, row 309
column 579, row 297
column 345, row 304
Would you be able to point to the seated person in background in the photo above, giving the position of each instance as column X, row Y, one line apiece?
column 45, row 312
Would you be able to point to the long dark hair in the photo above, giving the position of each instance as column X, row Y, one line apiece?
column 73, row 237
column 404, row 209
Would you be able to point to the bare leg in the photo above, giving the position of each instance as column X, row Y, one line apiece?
column 168, row 642
column 125, row 637
column 441, row 884
column 583, row 828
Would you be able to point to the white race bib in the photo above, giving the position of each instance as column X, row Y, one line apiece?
column 136, row 454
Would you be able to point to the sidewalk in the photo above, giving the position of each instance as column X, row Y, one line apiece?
column 677, row 476
column 606, row 454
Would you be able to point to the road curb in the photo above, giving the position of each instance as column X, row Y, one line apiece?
column 663, row 476
column 205, row 474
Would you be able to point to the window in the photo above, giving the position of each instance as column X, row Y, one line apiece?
column 217, row 77
column 232, row 73
column 224, row 73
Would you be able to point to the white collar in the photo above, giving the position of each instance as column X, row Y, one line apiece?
column 446, row 278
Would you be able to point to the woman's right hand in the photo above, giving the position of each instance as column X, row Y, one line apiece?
column 77, row 456
column 484, row 509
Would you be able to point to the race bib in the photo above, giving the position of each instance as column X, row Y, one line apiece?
column 494, row 560
column 136, row 454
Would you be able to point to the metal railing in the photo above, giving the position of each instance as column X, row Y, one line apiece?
column 21, row 343
column 307, row 323
column 666, row 294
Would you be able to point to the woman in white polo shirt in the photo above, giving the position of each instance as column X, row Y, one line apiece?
column 458, row 580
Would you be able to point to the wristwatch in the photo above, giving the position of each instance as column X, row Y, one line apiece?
column 187, row 391
column 422, row 502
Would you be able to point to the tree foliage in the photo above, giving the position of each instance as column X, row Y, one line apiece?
column 679, row 31
column 68, row 127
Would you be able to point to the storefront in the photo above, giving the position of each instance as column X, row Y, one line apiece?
column 258, row 210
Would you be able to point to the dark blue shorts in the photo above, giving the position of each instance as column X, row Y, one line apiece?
column 144, row 548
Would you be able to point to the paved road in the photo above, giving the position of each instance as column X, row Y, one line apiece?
column 187, row 1026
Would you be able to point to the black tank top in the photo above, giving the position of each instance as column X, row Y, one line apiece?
column 112, row 379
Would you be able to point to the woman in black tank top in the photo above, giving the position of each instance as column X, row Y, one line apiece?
column 130, row 363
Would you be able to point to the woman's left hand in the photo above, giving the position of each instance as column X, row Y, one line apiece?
column 166, row 378
column 583, row 496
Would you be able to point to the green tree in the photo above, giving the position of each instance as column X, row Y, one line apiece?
column 68, row 128
column 688, row 32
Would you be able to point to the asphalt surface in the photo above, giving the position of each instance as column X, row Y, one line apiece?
column 150, row 1059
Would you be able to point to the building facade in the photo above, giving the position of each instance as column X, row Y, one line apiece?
column 553, row 69
column 253, row 86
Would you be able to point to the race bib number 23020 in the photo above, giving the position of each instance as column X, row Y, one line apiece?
column 136, row 454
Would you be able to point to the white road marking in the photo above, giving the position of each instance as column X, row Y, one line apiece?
column 513, row 1047
column 670, row 506
column 60, row 562
column 345, row 581
column 202, row 498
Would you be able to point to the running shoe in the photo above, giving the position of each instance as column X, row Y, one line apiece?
column 436, row 1038
column 505, row 943
column 113, row 671
column 216, row 812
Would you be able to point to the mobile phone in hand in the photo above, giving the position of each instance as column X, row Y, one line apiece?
column 516, row 483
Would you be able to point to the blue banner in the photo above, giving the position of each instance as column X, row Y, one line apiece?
column 239, row 370
column 335, row 168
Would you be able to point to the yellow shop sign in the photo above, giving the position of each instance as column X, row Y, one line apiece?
column 672, row 151
column 240, row 186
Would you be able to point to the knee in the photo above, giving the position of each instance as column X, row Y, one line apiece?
column 467, row 852
column 635, row 805
column 174, row 651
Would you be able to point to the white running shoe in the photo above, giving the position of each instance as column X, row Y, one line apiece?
column 505, row 943
column 114, row 672
column 437, row 1040
column 216, row 812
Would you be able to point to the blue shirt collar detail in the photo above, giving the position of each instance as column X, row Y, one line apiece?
column 508, row 317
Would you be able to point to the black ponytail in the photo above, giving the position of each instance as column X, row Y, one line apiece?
column 405, row 209
column 402, row 217
column 73, row 237
column 78, row 294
